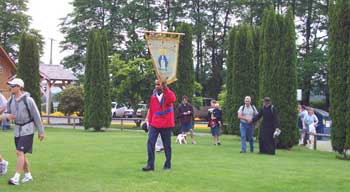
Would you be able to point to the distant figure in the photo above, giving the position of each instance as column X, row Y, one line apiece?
column 215, row 121
column 301, row 115
column 246, row 113
column 185, row 114
column 5, row 124
column 310, row 122
column 270, row 124
column 3, row 162
column 161, row 120
column 3, row 165
column 159, row 144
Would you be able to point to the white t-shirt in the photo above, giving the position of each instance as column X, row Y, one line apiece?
column 248, row 112
column 160, row 96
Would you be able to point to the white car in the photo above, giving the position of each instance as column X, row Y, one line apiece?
column 129, row 113
column 141, row 110
column 120, row 110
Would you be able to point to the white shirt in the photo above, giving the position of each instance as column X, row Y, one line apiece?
column 160, row 96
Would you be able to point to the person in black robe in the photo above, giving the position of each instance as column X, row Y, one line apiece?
column 270, row 124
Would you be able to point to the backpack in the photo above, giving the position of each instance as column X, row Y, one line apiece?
column 254, row 109
column 26, row 104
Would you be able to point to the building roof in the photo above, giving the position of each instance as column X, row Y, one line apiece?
column 56, row 72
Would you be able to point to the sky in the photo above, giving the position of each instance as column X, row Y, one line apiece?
column 46, row 16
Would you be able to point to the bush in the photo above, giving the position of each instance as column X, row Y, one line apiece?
column 71, row 100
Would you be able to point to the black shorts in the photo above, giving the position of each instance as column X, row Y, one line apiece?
column 24, row 143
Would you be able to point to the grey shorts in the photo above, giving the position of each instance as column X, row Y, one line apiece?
column 24, row 143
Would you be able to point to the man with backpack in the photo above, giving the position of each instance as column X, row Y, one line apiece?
column 23, row 111
column 246, row 113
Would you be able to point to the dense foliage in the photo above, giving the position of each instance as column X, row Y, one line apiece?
column 28, row 66
column 71, row 100
column 97, row 92
column 339, row 70
column 278, row 72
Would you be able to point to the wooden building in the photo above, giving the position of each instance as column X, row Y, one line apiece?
column 7, row 70
column 51, row 75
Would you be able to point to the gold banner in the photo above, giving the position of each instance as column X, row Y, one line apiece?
column 164, row 50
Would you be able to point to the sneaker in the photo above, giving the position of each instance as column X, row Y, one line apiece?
column 27, row 179
column 13, row 181
column 219, row 143
column 194, row 142
column 3, row 167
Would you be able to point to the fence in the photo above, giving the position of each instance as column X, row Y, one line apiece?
column 315, row 138
column 78, row 120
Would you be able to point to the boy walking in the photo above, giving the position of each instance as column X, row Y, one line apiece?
column 215, row 121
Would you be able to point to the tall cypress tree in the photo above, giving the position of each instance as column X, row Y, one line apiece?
column 97, row 111
column 245, row 76
column 278, row 72
column 229, row 110
column 286, row 100
column 28, row 66
column 268, row 55
column 339, row 34
column 106, row 80
column 185, row 71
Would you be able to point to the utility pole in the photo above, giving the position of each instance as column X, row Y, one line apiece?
column 51, row 40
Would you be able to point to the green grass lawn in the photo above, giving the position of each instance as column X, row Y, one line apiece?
column 80, row 161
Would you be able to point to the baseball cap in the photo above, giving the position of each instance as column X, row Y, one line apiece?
column 267, row 99
column 16, row 81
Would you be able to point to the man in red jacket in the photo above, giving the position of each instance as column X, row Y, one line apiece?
column 161, row 121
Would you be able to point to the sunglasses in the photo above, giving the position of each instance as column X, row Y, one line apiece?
column 13, row 86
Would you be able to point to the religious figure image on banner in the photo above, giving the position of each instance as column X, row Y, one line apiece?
column 164, row 49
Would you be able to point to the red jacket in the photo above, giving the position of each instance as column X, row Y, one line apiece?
column 161, row 114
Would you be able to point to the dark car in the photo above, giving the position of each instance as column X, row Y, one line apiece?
column 324, row 123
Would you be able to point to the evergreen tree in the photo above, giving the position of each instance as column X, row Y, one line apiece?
column 13, row 22
column 228, row 108
column 28, row 66
column 278, row 72
column 106, row 81
column 268, row 55
column 286, row 100
column 339, row 88
column 185, row 72
column 244, row 72
column 97, row 94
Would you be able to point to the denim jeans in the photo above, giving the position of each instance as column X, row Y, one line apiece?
column 165, row 134
column 246, row 131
